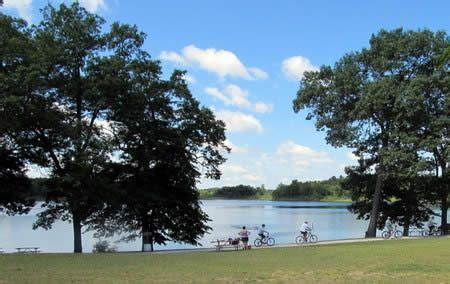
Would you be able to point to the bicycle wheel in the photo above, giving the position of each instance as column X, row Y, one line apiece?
column 437, row 233
column 385, row 235
column 270, row 242
column 398, row 234
column 257, row 242
column 313, row 239
column 299, row 240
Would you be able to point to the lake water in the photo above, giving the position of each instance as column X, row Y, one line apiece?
column 331, row 221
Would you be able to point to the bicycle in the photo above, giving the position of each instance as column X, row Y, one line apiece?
column 434, row 232
column 391, row 233
column 310, row 237
column 269, row 241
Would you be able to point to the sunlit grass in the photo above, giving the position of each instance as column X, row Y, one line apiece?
column 424, row 260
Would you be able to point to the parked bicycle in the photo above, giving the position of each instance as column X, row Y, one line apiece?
column 269, row 241
column 310, row 238
column 394, row 233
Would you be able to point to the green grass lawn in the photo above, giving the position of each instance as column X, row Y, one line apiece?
column 424, row 260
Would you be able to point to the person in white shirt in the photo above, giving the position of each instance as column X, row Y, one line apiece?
column 262, row 232
column 390, row 228
column 304, row 228
column 389, row 225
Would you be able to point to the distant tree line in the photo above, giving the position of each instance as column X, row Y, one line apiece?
column 234, row 192
column 330, row 189
column 311, row 190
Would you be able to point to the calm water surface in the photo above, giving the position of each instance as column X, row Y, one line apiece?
column 331, row 221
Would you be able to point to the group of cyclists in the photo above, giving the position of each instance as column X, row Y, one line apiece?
column 264, row 238
column 391, row 229
column 306, row 228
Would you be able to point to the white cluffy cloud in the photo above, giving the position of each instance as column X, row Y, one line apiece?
column 189, row 78
column 93, row 5
column 235, row 96
column 172, row 56
column 219, row 61
column 23, row 7
column 236, row 174
column 236, row 121
column 301, row 156
column 294, row 67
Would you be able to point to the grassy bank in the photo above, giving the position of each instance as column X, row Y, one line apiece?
column 425, row 260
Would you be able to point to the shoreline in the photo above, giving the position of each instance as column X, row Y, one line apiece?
column 213, row 249
column 282, row 200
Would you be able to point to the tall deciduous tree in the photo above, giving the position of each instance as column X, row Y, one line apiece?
column 166, row 139
column 62, row 97
column 424, row 113
column 359, row 101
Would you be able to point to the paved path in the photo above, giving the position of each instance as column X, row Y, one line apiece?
column 320, row 243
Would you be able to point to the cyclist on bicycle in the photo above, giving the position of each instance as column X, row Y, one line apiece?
column 304, row 228
column 262, row 232
column 389, row 227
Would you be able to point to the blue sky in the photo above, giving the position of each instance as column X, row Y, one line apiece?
column 244, row 59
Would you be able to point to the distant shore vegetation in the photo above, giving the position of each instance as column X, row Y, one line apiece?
column 324, row 190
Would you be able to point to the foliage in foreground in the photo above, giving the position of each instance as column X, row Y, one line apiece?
column 102, row 246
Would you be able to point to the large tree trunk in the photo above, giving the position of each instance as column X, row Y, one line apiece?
column 444, row 209
column 444, row 200
column 150, row 229
column 376, row 204
column 77, row 243
column 408, row 210
column 406, row 228
column 144, row 232
column 147, row 232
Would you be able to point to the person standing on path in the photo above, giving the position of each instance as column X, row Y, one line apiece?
column 244, row 237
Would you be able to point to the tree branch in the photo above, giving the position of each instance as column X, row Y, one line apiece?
column 89, row 134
